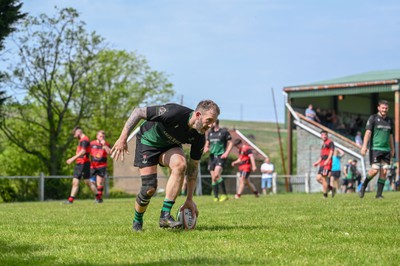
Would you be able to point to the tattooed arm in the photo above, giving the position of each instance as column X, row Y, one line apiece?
column 191, row 177
column 120, row 145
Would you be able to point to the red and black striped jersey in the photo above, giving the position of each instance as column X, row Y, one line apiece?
column 244, row 157
column 98, row 154
column 326, row 148
column 84, row 144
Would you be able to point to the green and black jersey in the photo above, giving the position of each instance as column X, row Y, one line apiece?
column 218, row 140
column 381, row 129
column 167, row 126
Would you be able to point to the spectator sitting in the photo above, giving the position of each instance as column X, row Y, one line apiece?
column 322, row 116
column 358, row 139
column 310, row 113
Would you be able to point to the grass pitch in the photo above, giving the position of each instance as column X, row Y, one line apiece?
column 287, row 229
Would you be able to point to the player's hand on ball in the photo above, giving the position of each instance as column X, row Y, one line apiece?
column 189, row 204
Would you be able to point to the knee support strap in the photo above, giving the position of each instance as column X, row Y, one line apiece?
column 149, row 186
column 378, row 166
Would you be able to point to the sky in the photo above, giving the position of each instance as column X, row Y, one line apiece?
column 242, row 53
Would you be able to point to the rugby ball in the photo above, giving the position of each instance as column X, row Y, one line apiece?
column 187, row 218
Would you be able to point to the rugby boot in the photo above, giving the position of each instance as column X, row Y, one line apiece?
column 137, row 227
column 362, row 192
column 168, row 222
column 223, row 197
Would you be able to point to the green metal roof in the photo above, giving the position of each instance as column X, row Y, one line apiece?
column 369, row 82
column 363, row 77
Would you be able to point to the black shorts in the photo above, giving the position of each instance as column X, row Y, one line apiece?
column 214, row 161
column 82, row 170
column 244, row 174
column 102, row 172
column 379, row 157
column 324, row 171
column 336, row 174
column 349, row 183
column 148, row 156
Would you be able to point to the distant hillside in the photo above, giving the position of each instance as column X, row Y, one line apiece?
column 262, row 134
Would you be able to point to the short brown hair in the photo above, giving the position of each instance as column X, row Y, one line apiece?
column 207, row 105
column 237, row 142
column 76, row 128
column 383, row 102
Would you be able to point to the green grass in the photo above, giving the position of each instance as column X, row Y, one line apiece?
column 286, row 229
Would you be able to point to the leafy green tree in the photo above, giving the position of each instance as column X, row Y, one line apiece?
column 55, row 56
column 69, row 79
column 123, row 80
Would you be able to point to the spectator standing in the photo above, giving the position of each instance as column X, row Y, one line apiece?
column 247, row 164
column 379, row 136
column 325, row 163
column 99, row 150
column 82, row 166
column 336, row 169
column 219, row 143
column 267, row 169
column 346, row 182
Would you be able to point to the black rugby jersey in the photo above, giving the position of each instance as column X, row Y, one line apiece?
column 167, row 126
column 381, row 129
column 218, row 140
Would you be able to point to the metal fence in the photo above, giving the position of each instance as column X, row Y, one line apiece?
column 298, row 183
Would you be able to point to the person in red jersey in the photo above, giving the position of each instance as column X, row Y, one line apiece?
column 82, row 166
column 99, row 150
column 325, row 163
column 247, row 164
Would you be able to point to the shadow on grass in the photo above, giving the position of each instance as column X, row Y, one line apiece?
column 219, row 228
column 229, row 227
column 197, row 260
column 22, row 254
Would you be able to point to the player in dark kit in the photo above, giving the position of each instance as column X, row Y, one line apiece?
column 99, row 150
column 379, row 135
column 325, row 163
column 159, row 141
column 219, row 143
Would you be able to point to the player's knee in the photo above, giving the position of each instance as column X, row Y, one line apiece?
column 179, row 166
column 376, row 166
column 149, row 186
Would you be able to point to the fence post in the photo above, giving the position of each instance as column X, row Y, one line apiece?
column 274, row 190
column 107, row 186
column 199, row 188
column 307, row 183
column 41, row 187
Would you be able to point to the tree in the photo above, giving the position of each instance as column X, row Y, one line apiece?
column 10, row 14
column 55, row 56
column 124, row 80
column 58, row 70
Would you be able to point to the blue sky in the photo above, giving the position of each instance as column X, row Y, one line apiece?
column 235, row 51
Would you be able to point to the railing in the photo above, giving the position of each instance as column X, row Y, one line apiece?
column 298, row 118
